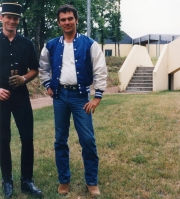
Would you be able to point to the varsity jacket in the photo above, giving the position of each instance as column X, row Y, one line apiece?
column 89, row 63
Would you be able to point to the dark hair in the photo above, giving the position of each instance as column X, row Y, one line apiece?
column 67, row 8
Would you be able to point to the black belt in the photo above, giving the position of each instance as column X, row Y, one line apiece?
column 70, row 87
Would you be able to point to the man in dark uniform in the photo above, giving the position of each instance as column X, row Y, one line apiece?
column 18, row 65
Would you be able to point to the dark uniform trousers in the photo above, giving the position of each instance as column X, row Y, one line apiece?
column 19, row 105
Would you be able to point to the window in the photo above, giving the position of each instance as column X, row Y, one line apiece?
column 108, row 53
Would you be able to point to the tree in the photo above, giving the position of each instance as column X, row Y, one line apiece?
column 115, row 33
column 100, row 18
column 39, row 19
column 39, row 22
column 107, row 19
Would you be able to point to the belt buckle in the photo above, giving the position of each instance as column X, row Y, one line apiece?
column 73, row 87
column 65, row 86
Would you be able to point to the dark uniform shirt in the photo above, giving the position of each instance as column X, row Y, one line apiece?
column 16, row 57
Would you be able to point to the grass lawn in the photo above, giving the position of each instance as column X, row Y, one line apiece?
column 138, row 140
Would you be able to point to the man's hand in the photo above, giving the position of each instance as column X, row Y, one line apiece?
column 16, row 81
column 91, row 106
column 50, row 92
column 4, row 94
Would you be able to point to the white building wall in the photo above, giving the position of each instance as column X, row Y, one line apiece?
column 124, row 49
column 154, row 49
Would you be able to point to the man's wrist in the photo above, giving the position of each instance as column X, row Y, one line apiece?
column 98, row 94
column 24, row 79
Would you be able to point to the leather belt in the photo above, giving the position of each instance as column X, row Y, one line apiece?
column 70, row 87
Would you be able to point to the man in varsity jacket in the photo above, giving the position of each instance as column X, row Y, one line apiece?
column 69, row 64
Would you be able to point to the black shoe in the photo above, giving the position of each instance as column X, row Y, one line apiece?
column 7, row 187
column 29, row 187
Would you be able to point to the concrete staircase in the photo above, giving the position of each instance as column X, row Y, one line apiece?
column 142, row 80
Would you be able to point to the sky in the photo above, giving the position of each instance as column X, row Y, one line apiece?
column 142, row 17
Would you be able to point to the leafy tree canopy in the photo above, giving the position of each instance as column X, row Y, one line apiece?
column 38, row 21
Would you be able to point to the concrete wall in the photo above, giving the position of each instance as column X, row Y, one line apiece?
column 174, row 56
column 168, row 63
column 176, row 81
column 174, row 62
column 160, row 73
column 137, row 56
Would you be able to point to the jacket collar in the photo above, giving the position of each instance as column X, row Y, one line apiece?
column 61, row 39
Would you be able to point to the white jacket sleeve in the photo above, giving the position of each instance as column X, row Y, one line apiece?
column 45, row 68
column 99, row 67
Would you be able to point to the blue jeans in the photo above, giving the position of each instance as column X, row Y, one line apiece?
column 71, row 101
